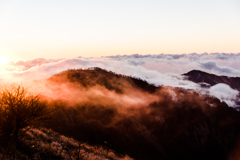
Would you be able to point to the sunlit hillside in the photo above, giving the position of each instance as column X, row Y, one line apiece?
column 121, row 117
column 46, row 144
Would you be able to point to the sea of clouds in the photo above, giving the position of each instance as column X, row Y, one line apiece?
column 160, row 69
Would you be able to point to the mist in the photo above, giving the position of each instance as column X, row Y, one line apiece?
column 161, row 69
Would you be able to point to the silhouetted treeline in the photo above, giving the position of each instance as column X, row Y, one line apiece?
column 18, row 109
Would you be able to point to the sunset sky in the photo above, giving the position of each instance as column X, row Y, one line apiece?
column 94, row 28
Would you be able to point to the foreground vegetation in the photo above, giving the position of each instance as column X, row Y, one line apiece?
column 42, row 144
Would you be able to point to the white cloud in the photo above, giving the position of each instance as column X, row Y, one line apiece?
column 120, row 67
column 216, row 63
column 212, row 66
column 224, row 93
column 161, row 69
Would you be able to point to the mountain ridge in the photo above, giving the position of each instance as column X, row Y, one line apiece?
column 198, row 76
column 97, row 76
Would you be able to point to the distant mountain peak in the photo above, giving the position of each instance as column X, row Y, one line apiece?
column 198, row 76
column 197, row 72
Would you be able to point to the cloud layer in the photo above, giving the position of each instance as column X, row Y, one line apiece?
column 161, row 69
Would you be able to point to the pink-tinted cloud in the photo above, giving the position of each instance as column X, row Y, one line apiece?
column 161, row 69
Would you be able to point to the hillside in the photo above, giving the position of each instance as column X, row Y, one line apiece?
column 131, row 119
column 97, row 76
column 45, row 144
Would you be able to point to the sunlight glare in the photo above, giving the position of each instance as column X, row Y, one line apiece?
column 3, row 60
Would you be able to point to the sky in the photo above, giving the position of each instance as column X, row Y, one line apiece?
column 68, row 29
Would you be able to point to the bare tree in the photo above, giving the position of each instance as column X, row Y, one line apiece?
column 18, row 109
